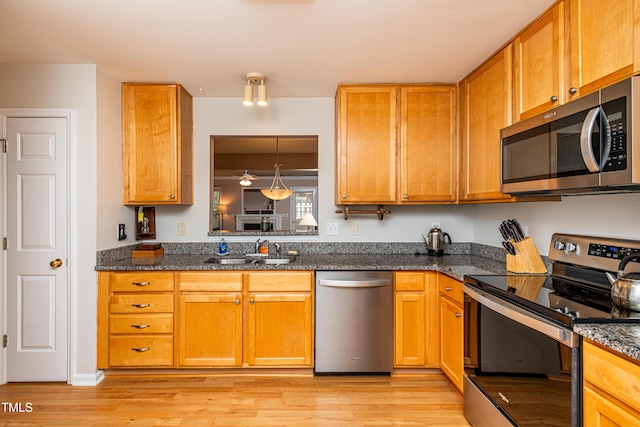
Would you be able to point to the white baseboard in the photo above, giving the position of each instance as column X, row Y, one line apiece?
column 88, row 380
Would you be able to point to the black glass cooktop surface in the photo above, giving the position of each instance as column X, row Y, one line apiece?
column 555, row 298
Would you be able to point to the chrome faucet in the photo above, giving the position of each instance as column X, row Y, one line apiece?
column 259, row 244
column 278, row 249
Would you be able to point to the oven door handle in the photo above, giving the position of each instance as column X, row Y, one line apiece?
column 565, row 336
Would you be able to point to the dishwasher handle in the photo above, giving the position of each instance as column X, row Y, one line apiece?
column 374, row 283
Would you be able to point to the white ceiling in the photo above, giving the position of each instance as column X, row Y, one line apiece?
column 304, row 47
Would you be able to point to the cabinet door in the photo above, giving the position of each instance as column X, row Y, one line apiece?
column 451, row 341
column 210, row 330
column 157, row 128
column 428, row 144
column 486, row 109
column 410, row 325
column 280, row 329
column 604, row 42
column 366, row 144
column 600, row 410
column 539, row 65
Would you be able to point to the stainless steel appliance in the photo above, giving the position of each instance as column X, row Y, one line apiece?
column 435, row 241
column 586, row 146
column 354, row 322
column 522, row 358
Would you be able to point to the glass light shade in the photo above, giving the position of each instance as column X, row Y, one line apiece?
column 245, row 182
column 277, row 193
column 262, row 94
column 248, row 95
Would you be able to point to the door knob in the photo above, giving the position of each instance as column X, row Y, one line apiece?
column 56, row 263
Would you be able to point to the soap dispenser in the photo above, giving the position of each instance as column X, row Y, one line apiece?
column 222, row 249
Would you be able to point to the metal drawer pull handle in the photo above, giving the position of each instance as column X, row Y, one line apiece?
column 140, row 283
column 141, row 349
column 458, row 315
column 447, row 288
column 145, row 326
column 141, row 305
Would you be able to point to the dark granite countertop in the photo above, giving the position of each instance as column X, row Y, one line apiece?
column 453, row 265
column 622, row 338
column 462, row 260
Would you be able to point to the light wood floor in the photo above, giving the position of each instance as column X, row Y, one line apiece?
column 238, row 400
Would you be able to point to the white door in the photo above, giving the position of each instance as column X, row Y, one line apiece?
column 37, row 269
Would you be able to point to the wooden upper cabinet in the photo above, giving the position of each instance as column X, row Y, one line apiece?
column 486, row 96
column 428, row 144
column 157, row 127
column 366, row 144
column 539, row 64
column 396, row 144
column 605, row 43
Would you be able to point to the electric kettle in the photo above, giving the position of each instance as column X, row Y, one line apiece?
column 435, row 241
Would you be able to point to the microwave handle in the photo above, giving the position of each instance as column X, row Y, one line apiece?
column 585, row 140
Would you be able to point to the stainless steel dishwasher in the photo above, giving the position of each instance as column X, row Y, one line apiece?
column 354, row 322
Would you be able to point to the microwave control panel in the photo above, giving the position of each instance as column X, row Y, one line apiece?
column 616, row 115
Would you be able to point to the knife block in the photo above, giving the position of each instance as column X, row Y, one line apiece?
column 527, row 258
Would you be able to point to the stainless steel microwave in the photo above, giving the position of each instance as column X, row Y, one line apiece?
column 585, row 146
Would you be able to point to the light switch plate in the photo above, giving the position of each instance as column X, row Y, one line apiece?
column 333, row 229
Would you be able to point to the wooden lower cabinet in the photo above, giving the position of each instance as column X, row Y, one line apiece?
column 611, row 384
column 210, row 329
column 451, row 329
column 135, row 319
column 235, row 319
column 415, row 319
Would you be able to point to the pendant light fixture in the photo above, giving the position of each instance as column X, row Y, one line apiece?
column 277, row 191
column 257, row 79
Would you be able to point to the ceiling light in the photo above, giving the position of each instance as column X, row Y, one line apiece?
column 245, row 182
column 277, row 191
column 257, row 79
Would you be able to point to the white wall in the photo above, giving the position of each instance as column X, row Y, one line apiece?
column 296, row 116
column 613, row 215
column 74, row 87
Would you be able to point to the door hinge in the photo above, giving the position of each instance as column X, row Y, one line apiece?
column 5, row 339
column 4, row 145
column 4, row 243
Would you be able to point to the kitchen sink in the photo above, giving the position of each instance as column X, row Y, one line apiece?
column 248, row 260
column 276, row 261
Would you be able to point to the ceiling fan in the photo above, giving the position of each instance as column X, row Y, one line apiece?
column 246, row 178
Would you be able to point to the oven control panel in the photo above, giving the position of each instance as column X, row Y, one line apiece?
column 608, row 251
column 600, row 253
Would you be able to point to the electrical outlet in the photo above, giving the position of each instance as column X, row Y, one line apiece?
column 121, row 233
column 182, row 229
column 333, row 229
column 435, row 224
column 353, row 227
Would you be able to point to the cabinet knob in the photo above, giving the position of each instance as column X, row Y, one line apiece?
column 344, row 196
column 237, row 302
column 405, row 196
column 458, row 315
column 553, row 98
column 447, row 288
column 573, row 91
column 173, row 196
column 251, row 301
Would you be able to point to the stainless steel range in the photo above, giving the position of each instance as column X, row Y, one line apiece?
column 522, row 358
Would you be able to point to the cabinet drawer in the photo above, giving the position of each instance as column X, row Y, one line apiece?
column 210, row 282
column 612, row 373
column 141, row 282
column 143, row 350
column 160, row 323
column 409, row 281
column 273, row 281
column 451, row 288
column 149, row 303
